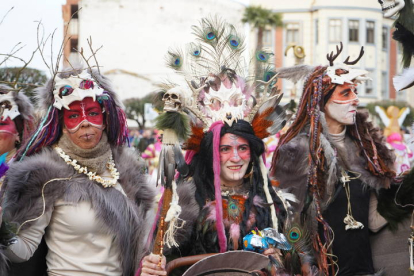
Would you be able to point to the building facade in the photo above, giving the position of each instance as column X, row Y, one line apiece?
column 136, row 35
column 319, row 25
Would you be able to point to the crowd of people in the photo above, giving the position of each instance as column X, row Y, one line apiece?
column 323, row 184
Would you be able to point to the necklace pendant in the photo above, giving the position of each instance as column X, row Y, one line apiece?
column 110, row 165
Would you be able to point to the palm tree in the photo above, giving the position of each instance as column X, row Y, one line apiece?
column 260, row 18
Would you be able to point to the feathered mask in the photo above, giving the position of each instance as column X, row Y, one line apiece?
column 214, row 89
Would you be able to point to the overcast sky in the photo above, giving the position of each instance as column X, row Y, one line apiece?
column 20, row 25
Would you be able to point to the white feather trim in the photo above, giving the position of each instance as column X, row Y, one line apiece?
column 405, row 80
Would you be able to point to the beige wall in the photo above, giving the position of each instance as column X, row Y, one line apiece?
column 308, row 13
column 136, row 36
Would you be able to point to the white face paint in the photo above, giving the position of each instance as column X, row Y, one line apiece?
column 234, row 159
column 342, row 106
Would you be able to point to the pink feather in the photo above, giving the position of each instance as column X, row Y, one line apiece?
column 235, row 235
column 258, row 201
column 189, row 154
column 211, row 211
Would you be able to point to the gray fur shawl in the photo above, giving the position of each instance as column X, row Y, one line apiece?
column 125, row 219
column 291, row 169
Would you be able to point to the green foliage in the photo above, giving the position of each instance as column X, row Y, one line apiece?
column 260, row 17
column 387, row 103
column 27, row 81
column 135, row 108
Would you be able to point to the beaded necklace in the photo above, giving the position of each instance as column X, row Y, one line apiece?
column 92, row 175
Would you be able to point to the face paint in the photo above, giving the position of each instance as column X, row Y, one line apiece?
column 83, row 111
column 8, row 135
column 342, row 105
column 234, row 159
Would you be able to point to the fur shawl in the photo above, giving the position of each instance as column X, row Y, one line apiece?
column 291, row 169
column 125, row 219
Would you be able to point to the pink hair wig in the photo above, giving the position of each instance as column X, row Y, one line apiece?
column 216, row 129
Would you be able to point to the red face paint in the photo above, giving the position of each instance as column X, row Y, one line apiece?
column 344, row 94
column 81, row 111
column 8, row 126
column 8, row 135
column 234, row 159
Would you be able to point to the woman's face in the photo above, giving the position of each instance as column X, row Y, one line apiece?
column 342, row 106
column 8, row 135
column 83, row 123
column 234, row 159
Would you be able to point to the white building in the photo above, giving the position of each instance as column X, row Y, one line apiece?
column 136, row 35
column 319, row 25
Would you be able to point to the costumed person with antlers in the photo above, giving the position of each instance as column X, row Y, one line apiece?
column 16, row 123
column 224, row 193
column 336, row 163
column 76, row 184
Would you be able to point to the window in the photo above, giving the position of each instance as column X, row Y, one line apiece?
column 353, row 26
column 73, row 11
column 368, row 84
column 384, row 38
column 292, row 33
column 73, row 45
column 267, row 38
column 370, row 31
column 384, row 88
column 335, row 27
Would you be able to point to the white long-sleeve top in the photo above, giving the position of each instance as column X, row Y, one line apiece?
column 78, row 242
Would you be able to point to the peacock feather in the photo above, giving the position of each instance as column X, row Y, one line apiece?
column 175, row 59
column 298, row 236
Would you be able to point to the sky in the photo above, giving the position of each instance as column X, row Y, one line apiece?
column 20, row 26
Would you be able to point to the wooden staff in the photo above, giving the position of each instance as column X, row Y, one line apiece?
column 162, row 226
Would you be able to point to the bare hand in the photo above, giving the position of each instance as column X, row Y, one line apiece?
column 150, row 265
column 275, row 254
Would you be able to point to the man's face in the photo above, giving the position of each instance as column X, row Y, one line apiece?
column 342, row 106
column 84, row 123
column 8, row 135
column 234, row 159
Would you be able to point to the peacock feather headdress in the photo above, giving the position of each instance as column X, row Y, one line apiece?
column 216, row 84
column 218, row 90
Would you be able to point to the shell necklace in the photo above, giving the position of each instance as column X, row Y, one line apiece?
column 92, row 175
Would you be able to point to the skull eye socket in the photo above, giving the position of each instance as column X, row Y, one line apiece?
column 215, row 104
column 86, row 84
column 5, row 105
column 65, row 90
column 174, row 96
column 166, row 96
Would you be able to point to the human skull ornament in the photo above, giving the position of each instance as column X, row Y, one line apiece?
column 226, row 104
column 352, row 75
column 78, row 91
column 8, row 107
column 391, row 7
column 172, row 100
